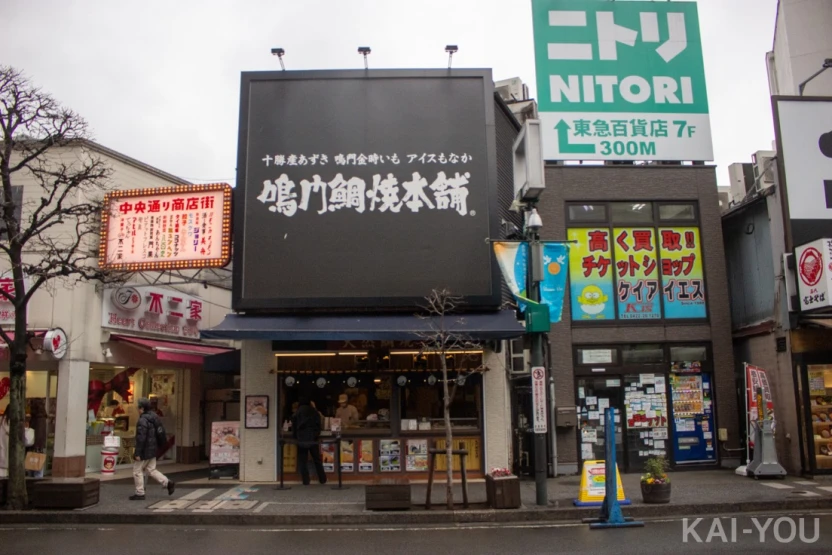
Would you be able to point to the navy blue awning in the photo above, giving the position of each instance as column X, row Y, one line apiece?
column 496, row 325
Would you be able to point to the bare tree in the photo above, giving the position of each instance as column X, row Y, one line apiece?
column 49, row 233
column 441, row 340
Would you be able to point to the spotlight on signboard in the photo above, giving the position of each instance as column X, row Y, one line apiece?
column 364, row 51
column 529, row 180
column 279, row 52
column 451, row 49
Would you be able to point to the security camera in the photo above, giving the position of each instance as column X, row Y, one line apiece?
column 364, row 50
column 452, row 48
column 278, row 52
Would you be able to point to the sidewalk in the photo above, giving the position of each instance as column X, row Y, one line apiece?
column 199, row 501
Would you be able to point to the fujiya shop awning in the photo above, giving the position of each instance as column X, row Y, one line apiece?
column 173, row 351
column 496, row 325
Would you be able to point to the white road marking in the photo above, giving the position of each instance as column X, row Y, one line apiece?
column 826, row 488
column 805, row 483
column 776, row 485
column 196, row 494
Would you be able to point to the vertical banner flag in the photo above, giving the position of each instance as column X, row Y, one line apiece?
column 553, row 286
column 590, row 274
column 637, row 274
column 755, row 377
column 513, row 258
column 683, row 282
column 620, row 81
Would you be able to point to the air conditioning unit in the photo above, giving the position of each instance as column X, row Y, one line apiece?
column 764, row 169
column 742, row 180
column 518, row 357
column 512, row 90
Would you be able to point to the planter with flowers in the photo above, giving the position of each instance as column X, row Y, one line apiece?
column 655, row 483
column 503, row 489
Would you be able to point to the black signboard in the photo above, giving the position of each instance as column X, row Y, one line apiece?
column 365, row 189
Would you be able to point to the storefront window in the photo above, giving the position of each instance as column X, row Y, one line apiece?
column 677, row 212
column 368, row 393
column 820, row 395
column 41, row 398
column 422, row 406
column 632, row 212
column 689, row 353
column 642, row 354
column 112, row 408
column 587, row 213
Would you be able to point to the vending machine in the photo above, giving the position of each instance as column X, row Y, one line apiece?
column 694, row 438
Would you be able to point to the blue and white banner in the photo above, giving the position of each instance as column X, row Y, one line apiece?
column 555, row 270
column 513, row 258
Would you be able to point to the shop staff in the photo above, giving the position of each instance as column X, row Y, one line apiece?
column 346, row 412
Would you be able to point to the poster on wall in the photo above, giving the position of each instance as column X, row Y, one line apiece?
column 590, row 274
column 390, row 455
column 257, row 411
column 225, row 443
column 417, row 455
column 162, row 391
column 817, row 384
column 347, row 455
column 636, row 274
column 683, row 280
column 365, row 461
column 328, row 456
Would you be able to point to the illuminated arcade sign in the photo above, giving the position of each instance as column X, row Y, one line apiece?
column 187, row 226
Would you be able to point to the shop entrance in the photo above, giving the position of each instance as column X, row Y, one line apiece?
column 663, row 408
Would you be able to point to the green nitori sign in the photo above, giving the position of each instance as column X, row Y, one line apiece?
column 621, row 80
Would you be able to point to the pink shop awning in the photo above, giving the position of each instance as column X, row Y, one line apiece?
column 173, row 351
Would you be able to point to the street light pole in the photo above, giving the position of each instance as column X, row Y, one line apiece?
column 533, row 225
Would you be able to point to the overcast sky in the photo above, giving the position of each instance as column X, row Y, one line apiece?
column 159, row 80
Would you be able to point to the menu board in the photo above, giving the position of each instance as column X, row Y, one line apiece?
column 417, row 455
column 225, row 443
column 328, row 456
column 390, row 455
column 347, row 455
column 365, row 461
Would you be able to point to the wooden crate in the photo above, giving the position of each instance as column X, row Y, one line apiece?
column 503, row 492
column 388, row 494
column 66, row 493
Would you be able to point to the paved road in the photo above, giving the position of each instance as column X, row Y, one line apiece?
column 663, row 536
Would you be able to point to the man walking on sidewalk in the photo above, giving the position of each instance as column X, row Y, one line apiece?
column 145, row 453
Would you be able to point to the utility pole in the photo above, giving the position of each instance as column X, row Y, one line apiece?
column 537, row 312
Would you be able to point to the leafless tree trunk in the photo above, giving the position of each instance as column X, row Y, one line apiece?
column 442, row 340
column 50, row 239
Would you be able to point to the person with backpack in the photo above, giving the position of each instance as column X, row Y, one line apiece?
column 150, row 436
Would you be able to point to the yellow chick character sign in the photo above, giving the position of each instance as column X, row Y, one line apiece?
column 592, row 301
column 591, row 274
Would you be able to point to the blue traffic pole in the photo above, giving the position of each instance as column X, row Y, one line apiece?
column 611, row 515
